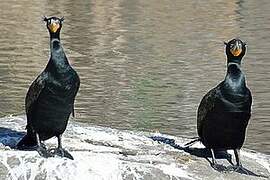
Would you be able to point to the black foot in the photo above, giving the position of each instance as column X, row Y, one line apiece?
column 61, row 152
column 42, row 151
column 219, row 167
column 241, row 169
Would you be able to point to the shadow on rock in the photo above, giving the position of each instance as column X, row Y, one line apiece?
column 9, row 137
column 206, row 153
column 199, row 152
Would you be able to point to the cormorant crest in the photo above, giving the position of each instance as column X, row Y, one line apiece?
column 244, row 43
column 46, row 19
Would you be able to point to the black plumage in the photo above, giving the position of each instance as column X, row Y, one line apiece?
column 50, row 98
column 224, row 112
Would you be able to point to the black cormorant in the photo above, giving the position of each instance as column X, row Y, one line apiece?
column 224, row 112
column 50, row 98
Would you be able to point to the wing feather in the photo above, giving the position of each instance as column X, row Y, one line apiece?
column 77, row 88
column 207, row 105
column 32, row 95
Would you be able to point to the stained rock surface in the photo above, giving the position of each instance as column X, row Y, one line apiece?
column 104, row 153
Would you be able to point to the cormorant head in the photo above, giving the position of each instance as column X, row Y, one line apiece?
column 235, row 49
column 54, row 24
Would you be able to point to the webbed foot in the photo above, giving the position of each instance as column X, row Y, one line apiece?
column 61, row 152
column 241, row 169
column 219, row 167
column 42, row 151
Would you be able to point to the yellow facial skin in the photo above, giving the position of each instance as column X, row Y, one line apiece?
column 53, row 27
column 236, row 51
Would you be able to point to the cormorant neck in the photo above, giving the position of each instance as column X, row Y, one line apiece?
column 58, row 59
column 55, row 47
column 55, row 35
column 236, row 60
column 234, row 69
column 235, row 79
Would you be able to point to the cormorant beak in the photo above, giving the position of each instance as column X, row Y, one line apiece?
column 236, row 48
column 54, row 27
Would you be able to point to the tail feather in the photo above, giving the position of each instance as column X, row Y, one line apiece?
column 192, row 142
column 27, row 142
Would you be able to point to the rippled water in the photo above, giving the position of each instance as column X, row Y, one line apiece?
column 144, row 65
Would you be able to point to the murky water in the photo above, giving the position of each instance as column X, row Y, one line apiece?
column 144, row 65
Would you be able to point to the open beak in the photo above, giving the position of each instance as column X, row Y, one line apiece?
column 236, row 49
column 54, row 27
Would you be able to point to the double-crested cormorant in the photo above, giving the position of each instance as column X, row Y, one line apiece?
column 50, row 98
column 224, row 111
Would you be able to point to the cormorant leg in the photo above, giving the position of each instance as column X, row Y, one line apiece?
column 59, row 138
column 41, row 148
column 60, row 151
column 239, row 167
column 237, row 157
column 60, row 148
column 214, row 162
column 215, row 165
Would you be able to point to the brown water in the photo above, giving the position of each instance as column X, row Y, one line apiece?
column 144, row 65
